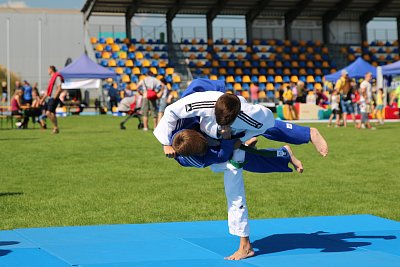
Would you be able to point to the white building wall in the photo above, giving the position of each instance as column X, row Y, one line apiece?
column 62, row 37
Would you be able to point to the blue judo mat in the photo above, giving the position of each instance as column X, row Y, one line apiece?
column 359, row 240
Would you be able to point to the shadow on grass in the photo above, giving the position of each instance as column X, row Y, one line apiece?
column 4, row 252
column 6, row 194
column 320, row 240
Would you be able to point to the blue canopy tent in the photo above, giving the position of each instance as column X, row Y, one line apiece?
column 84, row 67
column 391, row 69
column 357, row 69
column 84, row 73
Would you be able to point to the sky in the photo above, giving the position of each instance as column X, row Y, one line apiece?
column 74, row 4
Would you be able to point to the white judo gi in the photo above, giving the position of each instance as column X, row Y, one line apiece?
column 252, row 119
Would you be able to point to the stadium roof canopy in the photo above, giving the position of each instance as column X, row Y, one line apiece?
column 289, row 10
column 343, row 9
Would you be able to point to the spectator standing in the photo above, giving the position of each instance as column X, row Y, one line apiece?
column 4, row 91
column 163, row 93
column 148, row 88
column 335, row 101
column 288, row 100
column 363, row 103
column 113, row 96
column 53, row 92
column 366, row 85
column 346, row 103
column 27, row 93
column 300, row 92
column 254, row 89
column 379, row 106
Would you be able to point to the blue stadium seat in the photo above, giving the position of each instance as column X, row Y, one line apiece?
column 262, row 87
column 98, row 54
column 202, row 42
column 198, row 71
column 325, row 57
column 207, row 64
column 239, row 64
column 134, row 79
column 302, row 49
column 310, row 57
column 286, row 64
column 137, row 63
column 131, row 55
column 254, row 79
column 279, row 42
column 164, row 56
column 317, row 50
column 294, row 71
column 333, row 64
column 193, row 49
column 186, row 41
column 277, row 86
column 263, row 57
column 230, row 71
column 161, row 71
column 310, row 43
column 168, row 79
column 263, row 42
column 192, row 64
column 318, row 79
column 133, row 41
column 287, row 50
column 121, row 63
column 175, row 86
column 246, row 87
column 108, row 48
column 224, row 49
column 115, row 55
column 255, row 63
column 222, row 78
column 303, row 78
column 256, row 49
column 278, row 71
column 302, row 64
column 310, row 86
column 263, row 71
column 325, row 71
column 270, row 79
column 295, row 57
column 102, row 40
column 156, row 49
column 310, row 71
column 271, row 64
column 104, row 63
column 229, row 86
column 214, row 71
column 144, row 71
column 150, row 41
column 124, row 47
column 141, row 48
column 271, row 49
column 238, row 79
column 246, row 71
column 128, row 71
column 270, row 94
column 240, row 49
column 286, row 79
column 318, row 64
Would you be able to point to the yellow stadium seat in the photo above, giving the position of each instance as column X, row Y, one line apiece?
column 254, row 71
column 185, row 49
column 206, row 71
column 133, row 86
column 230, row 79
column 263, row 64
column 146, row 63
column 114, row 109
column 132, row 48
column 199, row 64
column 194, row 41
column 270, row 87
column 256, row 57
column 154, row 70
column 149, row 48
column 247, row 64
column 231, row 64
column 262, row 95
column 112, row 63
column 156, row 56
column 232, row 49
column 294, row 79
column 271, row 42
column 202, row 49
column 302, row 72
column 246, row 94
column 302, row 57
column 256, row 42
column 169, row 71
column 216, row 49
column 139, row 55
column 119, row 70
column 115, row 48
column 241, row 42
column 192, row 56
column 263, row 50
column 126, row 41
column 310, row 64
column 368, row 58
column 318, row 43
column 295, row 50
column 129, row 63
column 318, row 72
column 240, row 57
column 225, row 41
column 93, row 40
column 237, row 87
column 325, row 64
column 286, row 43
column 176, row 79
column 215, row 63
column 375, row 64
column 287, row 57
column 310, row 79
column 246, row 79
column 159, row 77
column 325, row 50
column 279, row 49
column 295, row 64
column 248, row 49
column 224, row 57
column 286, row 71
column 222, row 71
column 109, row 40
column 271, row 71
column 333, row 70
column 142, row 41
column 126, row 79
column 99, row 48
column 210, row 41
column 238, row 71
column 310, row 50
column 262, row 79
column 272, row 56
column 209, row 56
column 278, row 79
column 317, row 86
column 343, row 50
column 136, row 71
column 214, row 77
column 162, row 64
column 317, row 57
column 123, row 55
column 302, row 43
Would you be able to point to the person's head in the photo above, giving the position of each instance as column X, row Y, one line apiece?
column 368, row 76
column 150, row 73
column 227, row 108
column 189, row 143
column 35, row 92
column 17, row 83
column 52, row 70
column 18, row 92
column 26, row 82
column 380, row 90
column 344, row 73
column 300, row 84
column 3, row 84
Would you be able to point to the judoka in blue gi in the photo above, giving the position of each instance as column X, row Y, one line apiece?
column 253, row 120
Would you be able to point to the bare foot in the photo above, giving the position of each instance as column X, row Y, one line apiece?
column 241, row 254
column 319, row 142
column 252, row 142
column 294, row 161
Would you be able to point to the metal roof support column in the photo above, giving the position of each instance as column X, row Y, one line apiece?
column 210, row 33
column 169, row 32
column 249, row 30
column 398, row 33
column 292, row 14
column 330, row 15
column 128, row 27
column 364, row 35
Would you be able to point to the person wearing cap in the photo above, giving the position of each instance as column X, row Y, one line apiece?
column 339, row 87
column 27, row 98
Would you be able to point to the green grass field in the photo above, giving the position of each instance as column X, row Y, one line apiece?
column 94, row 173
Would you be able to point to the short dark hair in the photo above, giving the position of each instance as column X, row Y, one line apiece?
column 227, row 108
column 53, row 68
column 189, row 143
